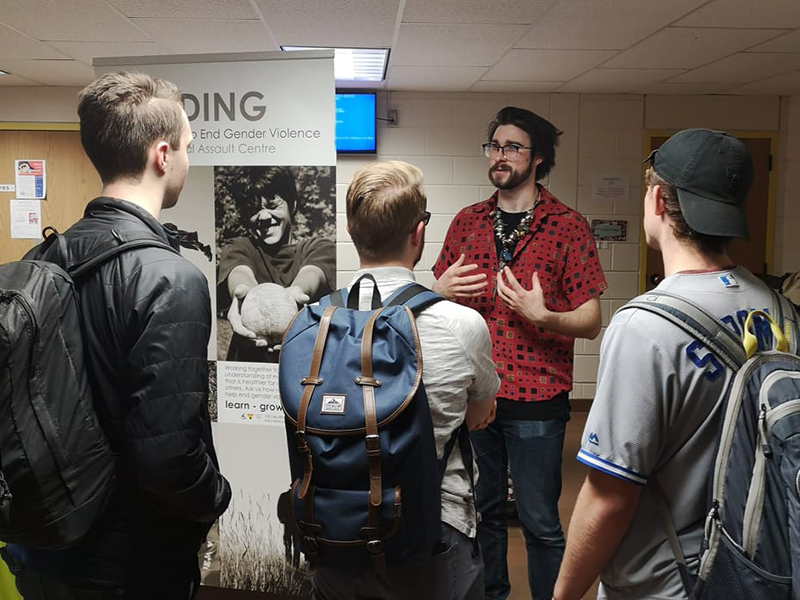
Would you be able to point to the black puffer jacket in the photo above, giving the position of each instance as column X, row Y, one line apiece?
column 147, row 323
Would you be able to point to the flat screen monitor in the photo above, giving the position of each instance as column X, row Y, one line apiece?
column 355, row 123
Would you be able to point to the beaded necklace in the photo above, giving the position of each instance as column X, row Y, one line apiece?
column 509, row 242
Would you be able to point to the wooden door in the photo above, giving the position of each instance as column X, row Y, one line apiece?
column 751, row 254
column 71, row 182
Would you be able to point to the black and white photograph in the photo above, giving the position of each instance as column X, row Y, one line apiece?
column 276, row 252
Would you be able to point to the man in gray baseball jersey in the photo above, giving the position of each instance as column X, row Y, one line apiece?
column 659, row 391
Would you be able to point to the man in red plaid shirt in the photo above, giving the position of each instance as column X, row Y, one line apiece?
column 529, row 265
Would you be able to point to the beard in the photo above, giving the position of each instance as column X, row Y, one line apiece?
column 515, row 178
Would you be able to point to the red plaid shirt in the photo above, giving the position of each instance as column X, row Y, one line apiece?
column 533, row 363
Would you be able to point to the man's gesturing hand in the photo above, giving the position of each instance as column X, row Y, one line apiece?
column 456, row 283
column 528, row 304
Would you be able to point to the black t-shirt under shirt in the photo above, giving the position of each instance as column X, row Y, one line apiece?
column 554, row 409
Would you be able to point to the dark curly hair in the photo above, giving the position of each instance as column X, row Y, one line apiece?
column 265, row 182
column 544, row 135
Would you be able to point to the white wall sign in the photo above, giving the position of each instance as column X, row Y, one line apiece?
column 610, row 187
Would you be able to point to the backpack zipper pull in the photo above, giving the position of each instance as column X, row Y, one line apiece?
column 762, row 432
column 5, row 492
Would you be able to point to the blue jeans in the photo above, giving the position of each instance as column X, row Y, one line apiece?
column 533, row 451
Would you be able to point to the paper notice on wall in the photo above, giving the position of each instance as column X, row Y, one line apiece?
column 31, row 179
column 26, row 219
column 7, row 187
column 610, row 187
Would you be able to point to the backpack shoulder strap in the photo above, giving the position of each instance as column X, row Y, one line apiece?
column 696, row 321
column 787, row 320
column 111, row 250
column 415, row 296
column 114, row 247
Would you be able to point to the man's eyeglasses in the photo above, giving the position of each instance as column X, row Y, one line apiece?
column 491, row 149
column 426, row 216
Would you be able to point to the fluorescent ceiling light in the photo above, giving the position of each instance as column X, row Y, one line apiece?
column 355, row 64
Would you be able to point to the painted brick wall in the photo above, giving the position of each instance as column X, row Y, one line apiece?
column 603, row 134
column 442, row 133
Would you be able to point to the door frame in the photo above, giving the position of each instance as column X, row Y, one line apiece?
column 772, row 136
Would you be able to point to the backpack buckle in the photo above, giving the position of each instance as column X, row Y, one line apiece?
column 375, row 547
column 373, row 444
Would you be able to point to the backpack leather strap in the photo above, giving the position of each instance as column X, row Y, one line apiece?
column 373, row 447
column 310, row 382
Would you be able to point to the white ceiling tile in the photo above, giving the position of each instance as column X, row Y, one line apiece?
column 345, row 23
column 72, row 20
column 455, row 79
column 783, row 85
column 186, row 9
column 517, row 12
column 789, row 42
column 516, row 86
column 743, row 67
column 671, row 89
column 194, row 37
column 467, row 45
column 87, row 51
column 746, row 13
column 17, row 45
column 51, row 72
column 602, row 24
column 545, row 65
column 616, row 81
column 688, row 47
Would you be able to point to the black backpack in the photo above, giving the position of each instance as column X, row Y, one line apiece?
column 752, row 531
column 56, row 466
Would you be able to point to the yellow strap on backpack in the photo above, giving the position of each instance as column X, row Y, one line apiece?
column 751, row 343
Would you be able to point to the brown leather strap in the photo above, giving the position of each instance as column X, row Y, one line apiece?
column 373, row 447
column 310, row 383
column 372, row 440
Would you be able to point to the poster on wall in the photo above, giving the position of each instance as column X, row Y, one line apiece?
column 31, row 179
column 257, row 216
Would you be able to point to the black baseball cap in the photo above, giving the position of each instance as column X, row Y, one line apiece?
column 712, row 173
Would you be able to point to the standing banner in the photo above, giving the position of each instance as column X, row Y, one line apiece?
column 258, row 216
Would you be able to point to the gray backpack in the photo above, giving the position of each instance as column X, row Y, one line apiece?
column 751, row 544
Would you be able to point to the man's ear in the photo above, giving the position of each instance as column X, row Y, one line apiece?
column 161, row 151
column 418, row 234
column 658, row 201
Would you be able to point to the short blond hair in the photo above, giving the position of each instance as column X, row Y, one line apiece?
column 385, row 201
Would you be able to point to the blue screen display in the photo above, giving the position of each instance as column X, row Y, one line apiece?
column 355, row 123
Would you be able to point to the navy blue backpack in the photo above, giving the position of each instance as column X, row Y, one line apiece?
column 366, row 489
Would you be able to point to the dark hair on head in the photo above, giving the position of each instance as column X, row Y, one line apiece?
column 707, row 244
column 265, row 182
column 121, row 116
column 543, row 134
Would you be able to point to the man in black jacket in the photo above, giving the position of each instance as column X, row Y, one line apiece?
column 147, row 320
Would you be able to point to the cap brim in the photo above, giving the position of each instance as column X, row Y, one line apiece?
column 713, row 217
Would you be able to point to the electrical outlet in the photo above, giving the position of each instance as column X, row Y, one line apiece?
column 392, row 117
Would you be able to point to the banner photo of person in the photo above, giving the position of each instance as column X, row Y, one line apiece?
column 257, row 217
